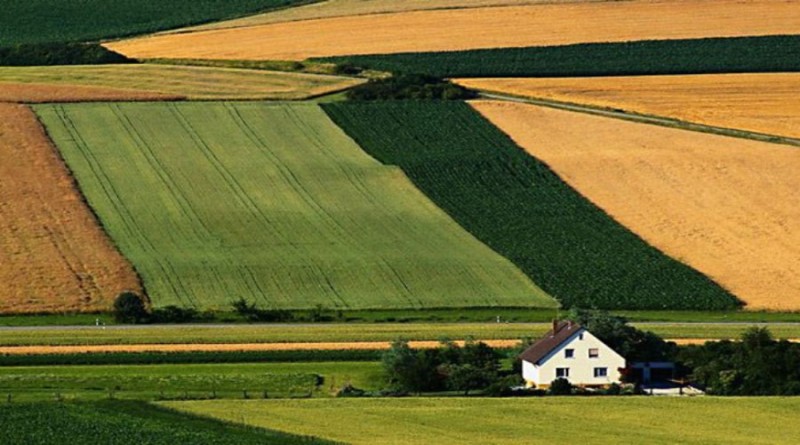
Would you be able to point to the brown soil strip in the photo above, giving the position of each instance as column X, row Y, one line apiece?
column 461, row 29
column 727, row 207
column 42, row 93
column 54, row 257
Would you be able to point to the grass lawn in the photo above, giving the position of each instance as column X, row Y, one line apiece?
column 599, row 420
column 152, row 382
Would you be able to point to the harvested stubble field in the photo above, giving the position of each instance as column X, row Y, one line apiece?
column 144, row 81
column 728, row 207
column 454, row 420
column 53, row 255
column 41, row 93
column 460, row 29
column 516, row 204
column 272, row 203
column 346, row 8
column 762, row 103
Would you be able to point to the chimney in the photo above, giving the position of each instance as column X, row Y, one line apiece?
column 555, row 327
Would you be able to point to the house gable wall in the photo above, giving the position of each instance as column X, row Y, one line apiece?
column 581, row 366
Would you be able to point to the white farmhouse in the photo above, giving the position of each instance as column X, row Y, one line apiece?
column 571, row 352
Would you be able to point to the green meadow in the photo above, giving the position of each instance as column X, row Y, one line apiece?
column 592, row 420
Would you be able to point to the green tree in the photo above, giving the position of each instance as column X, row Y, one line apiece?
column 130, row 308
column 560, row 387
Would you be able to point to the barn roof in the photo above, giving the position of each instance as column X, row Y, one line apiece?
column 553, row 339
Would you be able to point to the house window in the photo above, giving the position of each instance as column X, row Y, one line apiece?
column 562, row 373
column 594, row 353
column 569, row 353
column 580, row 336
column 600, row 372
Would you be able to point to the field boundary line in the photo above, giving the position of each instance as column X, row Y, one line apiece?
column 641, row 118
column 249, row 347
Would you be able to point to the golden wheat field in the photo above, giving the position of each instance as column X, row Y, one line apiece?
column 458, row 29
column 727, row 207
column 53, row 254
column 152, row 81
column 342, row 8
column 762, row 103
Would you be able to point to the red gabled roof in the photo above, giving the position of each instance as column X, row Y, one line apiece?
column 553, row 339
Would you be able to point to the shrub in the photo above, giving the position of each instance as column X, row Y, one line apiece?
column 130, row 308
column 560, row 387
column 410, row 86
column 59, row 54
column 252, row 313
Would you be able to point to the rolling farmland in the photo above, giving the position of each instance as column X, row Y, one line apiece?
column 728, row 207
column 520, row 208
column 681, row 56
column 462, row 29
column 125, row 423
column 53, row 255
column 45, row 21
column 166, row 81
column 601, row 420
column 762, row 103
column 275, row 204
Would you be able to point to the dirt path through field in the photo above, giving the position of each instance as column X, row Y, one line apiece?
column 727, row 207
column 461, row 29
column 762, row 103
column 54, row 257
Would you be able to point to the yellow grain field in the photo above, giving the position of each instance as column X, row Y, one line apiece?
column 145, row 81
column 728, row 207
column 458, row 29
column 763, row 103
column 53, row 255
column 343, row 8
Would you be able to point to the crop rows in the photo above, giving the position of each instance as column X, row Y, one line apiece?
column 684, row 56
column 44, row 21
column 273, row 204
column 520, row 208
column 123, row 423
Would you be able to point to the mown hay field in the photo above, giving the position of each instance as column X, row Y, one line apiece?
column 594, row 420
column 459, row 29
column 54, row 257
column 143, row 81
column 516, row 204
column 728, row 207
column 762, row 103
column 46, row 21
column 342, row 8
column 125, row 423
column 272, row 203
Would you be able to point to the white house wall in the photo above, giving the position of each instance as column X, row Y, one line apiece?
column 581, row 367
